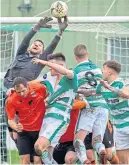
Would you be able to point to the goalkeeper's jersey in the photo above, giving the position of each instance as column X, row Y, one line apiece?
column 119, row 107
column 61, row 98
column 87, row 73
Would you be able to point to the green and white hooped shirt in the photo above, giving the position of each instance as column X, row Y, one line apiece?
column 61, row 98
column 119, row 107
column 87, row 74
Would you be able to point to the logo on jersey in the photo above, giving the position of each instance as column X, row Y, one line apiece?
column 44, row 76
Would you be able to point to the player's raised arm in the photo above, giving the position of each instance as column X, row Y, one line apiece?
column 123, row 92
column 58, row 68
column 42, row 23
column 49, row 50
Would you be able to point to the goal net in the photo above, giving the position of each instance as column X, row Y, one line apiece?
column 106, row 38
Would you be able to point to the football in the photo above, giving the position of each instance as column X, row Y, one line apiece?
column 59, row 9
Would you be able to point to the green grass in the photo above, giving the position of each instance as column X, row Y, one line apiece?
column 13, row 157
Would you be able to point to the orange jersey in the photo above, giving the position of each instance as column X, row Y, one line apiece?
column 30, row 109
column 69, row 134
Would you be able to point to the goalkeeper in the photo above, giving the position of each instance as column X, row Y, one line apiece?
column 22, row 65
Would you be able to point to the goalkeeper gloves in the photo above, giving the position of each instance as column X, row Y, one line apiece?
column 42, row 23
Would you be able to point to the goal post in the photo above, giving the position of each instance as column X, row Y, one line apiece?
column 106, row 38
column 78, row 20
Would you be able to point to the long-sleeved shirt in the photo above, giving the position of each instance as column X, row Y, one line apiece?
column 22, row 65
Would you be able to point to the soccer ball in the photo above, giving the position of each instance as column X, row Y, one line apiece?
column 59, row 9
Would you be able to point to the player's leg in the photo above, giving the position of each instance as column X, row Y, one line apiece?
column 108, row 141
column 85, row 125
column 89, row 148
column 71, row 156
column 37, row 160
column 34, row 157
column 24, row 147
column 60, row 151
column 51, row 131
column 98, row 133
column 41, row 148
column 122, row 145
column 123, row 156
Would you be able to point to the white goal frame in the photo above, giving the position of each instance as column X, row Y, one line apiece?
column 78, row 20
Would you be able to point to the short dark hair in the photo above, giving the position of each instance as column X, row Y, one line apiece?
column 80, row 50
column 19, row 80
column 57, row 56
column 40, row 41
column 116, row 66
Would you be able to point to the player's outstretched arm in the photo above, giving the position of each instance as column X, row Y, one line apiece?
column 49, row 50
column 42, row 23
column 60, row 69
column 87, row 92
column 124, row 92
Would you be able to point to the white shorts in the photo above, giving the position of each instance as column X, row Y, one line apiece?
column 94, row 121
column 53, row 129
column 121, row 138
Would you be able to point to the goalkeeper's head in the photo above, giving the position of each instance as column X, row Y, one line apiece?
column 111, row 70
column 57, row 58
column 81, row 53
column 36, row 48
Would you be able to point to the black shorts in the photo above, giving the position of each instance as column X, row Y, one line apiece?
column 60, row 151
column 108, row 139
column 26, row 141
column 88, row 142
column 10, row 129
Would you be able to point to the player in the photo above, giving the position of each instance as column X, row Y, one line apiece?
column 22, row 64
column 28, row 101
column 108, row 139
column 59, row 104
column 119, row 107
column 94, row 117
